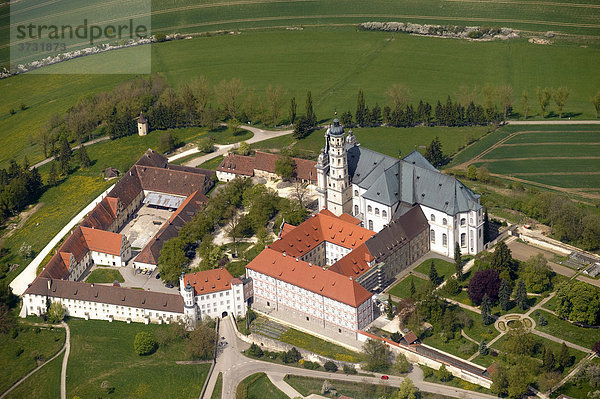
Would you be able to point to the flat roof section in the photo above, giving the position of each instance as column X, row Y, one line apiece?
column 162, row 200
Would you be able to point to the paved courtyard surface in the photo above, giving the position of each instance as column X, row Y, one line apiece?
column 144, row 225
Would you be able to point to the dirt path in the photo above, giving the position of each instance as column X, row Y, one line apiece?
column 24, row 216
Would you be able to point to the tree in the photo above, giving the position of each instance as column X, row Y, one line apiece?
column 484, row 282
column 275, row 100
column 433, row 274
column 201, row 342
column 505, row 94
column 579, row 302
column 243, row 148
column 560, row 97
column 346, row 119
column 486, row 227
column 548, row 361
column 399, row 95
column 172, row 260
column 433, row 153
column 458, row 261
column 84, row 159
column 292, row 356
column 361, row 112
column 284, row 167
column 228, row 94
column 413, row 290
column 543, row 95
column 402, row 365
column 255, row 350
column 502, row 261
column 472, row 172
column 56, row 312
column 537, row 274
column 52, row 175
column 596, row 347
column 499, row 380
column 486, row 308
column 390, row 308
column 452, row 287
column 144, row 343
column 64, row 156
column 518, row 380
column 330, row 366
column 564, row 358
column 376, row 355
column 596, row 103
column 302, row 128
column 406, row 390
column 504, row 295
column 524, row 104
column 443, row 373
column 205, row 145
column 483, row 348
column 292, row 110
column 7, row 320
column 310, row 114
column 521, row 295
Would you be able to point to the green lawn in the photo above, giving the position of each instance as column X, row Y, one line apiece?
column 402, row 289
column 44, row 384
column 564, row 330
column 460, row 346
column 218, row 387
column 18, row 355
column 478, row 330
column 453, row 382
column 579, row 389
column 103, row 351
column 104, row 275
column 444, row 269
column 319, row 346
column 212, row 163
column 260, row 387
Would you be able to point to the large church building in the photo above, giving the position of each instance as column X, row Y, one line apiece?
column 376, row 189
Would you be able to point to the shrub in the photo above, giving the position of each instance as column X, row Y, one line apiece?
column 292, row 356
column 255, row 351
column 311, row 365
column 144, row 343
column 443, row 374
column 56, row 312
column 160, row 37
column 542, row 321
column 396, row 337
column 349, row 369
column 330, row 366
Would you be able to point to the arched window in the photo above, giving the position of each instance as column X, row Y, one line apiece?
column 369, row 209
column 462, row 221
column 444, row 240
column 356, row 209
column 463, row 240
column 384, row 213
column 370, row 225
column 377, row 211
column 432, row 236
column 356, row 193
column 444, row 221
column 432, row 217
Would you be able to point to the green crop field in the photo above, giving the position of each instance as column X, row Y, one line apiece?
column 560, row 157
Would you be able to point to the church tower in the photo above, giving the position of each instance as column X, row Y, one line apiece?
column 339, row 190
column 190, row 311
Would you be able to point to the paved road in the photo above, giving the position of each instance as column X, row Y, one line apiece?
column 563, row 122
column 259, row 135
column 235, row 367
column 63, row 372
column 45, row 161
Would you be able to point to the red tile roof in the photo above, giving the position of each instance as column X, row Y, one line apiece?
column 170, row 181
column 56, row 267
column 324, row 226
column 102, row 241
column 304, row 168
column 209, row 281
column 286, row 228
column 312, row 278
column 355, row 263
column 238, row 164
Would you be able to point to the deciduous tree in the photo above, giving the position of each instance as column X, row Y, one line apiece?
column 310, row 113
column 543, row 96
column 376, row 355
column 560, row 97
column 284, row 167
column 292, row 111
column 201, row 342
column 485, row 282
column 144, row 343
column 56, row 312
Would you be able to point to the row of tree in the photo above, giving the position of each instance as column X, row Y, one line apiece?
column 19, row 187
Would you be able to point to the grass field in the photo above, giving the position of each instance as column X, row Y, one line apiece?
column 44, row 384
column 564, row 157
column 444, row 269
column 402, row 289
column 103, row 351
column 104, row 275
column 260, row 387
column 319, row 346
column 367, row 60
column 564, row 330
column 18, row 355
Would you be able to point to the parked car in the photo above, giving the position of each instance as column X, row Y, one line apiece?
column 169, row 285
column 385, row 377
column 157, row 276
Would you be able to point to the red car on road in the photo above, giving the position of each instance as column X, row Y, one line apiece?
column 385, row 377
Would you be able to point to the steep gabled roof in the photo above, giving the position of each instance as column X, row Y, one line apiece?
column 57, row 267
column 355, row 263
column 102, row 241
column 312, row 278
column 303, row 168
column 103, row 214
column 170, row 181
column 153, row 158
column 365, row 166
column 238, row 164
column 66, row 289
column 209, row 281
column 415, row 158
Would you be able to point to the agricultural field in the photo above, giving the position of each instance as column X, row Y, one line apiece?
column 564, row 158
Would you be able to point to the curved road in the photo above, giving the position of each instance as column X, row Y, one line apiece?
column 235, row 367
column 259, row 135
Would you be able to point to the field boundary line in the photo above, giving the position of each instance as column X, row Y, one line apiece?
column 530, row 158
column 550, row 143
column 529, row 3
